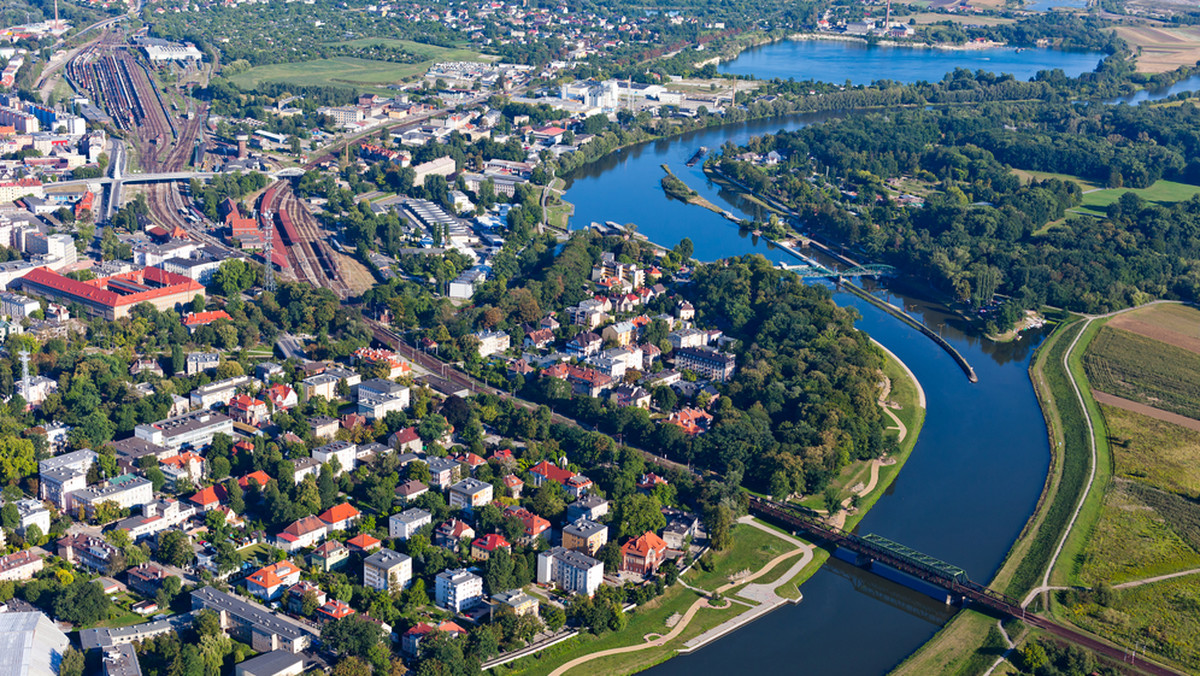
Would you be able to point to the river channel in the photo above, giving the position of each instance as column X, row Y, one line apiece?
column 970, row 485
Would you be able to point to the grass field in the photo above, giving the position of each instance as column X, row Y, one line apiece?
column 1162, row 618
column 1132, row 541
column 1153, row 451
column 1171, row 323
column 1162, row 192
column 1144, row 370
column 365, row 74
column 752, row 549
column 966, row 646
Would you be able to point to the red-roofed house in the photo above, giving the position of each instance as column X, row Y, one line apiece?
column 644, row 554
column 340, row 517
column 187, row 465
column 406, row 441
column 268, row 583
column 194, row 320
column 514, row 485
column 209, row 497
column 504, row 456
column 247, row 409
column 260, row 477
column 534, row 524
column 397, row 366
column 692, row 421
column 575, row 484
column 303, row 533
column 363, row 543
column 281, row 396
column 649, row 481
column 334, row 610
column 483, row 546
column 410, row 643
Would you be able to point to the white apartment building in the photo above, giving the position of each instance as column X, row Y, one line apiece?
column 387, row 570
column 458, row 589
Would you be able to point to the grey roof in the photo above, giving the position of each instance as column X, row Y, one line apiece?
column 104, row 638
column 31, row 645
column 122, row 661
column 67, row 459
column 270, row 663
column 262, row 619
column 470, row 486
column 413, row 515
column 439, row 465
column 584, row 528
column 379, row 386
column 385, row 558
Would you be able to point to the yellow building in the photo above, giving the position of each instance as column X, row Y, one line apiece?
column 585, row 536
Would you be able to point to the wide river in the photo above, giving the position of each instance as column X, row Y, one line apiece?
column 972, row 480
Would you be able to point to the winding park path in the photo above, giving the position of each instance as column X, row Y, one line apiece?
column 764, row 594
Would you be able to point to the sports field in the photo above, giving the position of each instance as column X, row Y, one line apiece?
column 365, row 74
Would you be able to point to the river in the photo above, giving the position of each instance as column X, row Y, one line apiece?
column 860, row 63
column 966, row 492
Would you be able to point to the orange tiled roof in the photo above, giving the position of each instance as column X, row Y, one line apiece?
column 339, row 513
column 260, row 476
column 642, row 546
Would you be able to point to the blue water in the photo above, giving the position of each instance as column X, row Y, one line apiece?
column 1190, row 84
column 1047, row 5
column 968, row 488
column 860, row 63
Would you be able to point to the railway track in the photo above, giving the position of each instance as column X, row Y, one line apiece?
column 300, row 236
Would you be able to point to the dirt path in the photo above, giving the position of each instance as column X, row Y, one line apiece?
column 1148, row 411
column 660, row 640
column 1157, row 578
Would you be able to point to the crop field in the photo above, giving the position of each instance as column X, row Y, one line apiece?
column 1162, row 49
column 1144, row 370
column 1154, row 451
column 1162, row 192
column 1170, row 323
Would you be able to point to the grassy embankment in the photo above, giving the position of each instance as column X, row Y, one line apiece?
column 674, row 187
column 751, row 550
column 367, row 75
column 966, row 644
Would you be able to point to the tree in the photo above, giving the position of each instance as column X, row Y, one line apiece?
column 175, row 548
column 206, row 623
column 72, row 663
column 548, row 501
column 719, row 525
column 351, row 635
column 82, row 602
column 17, row 458
column 10, row 517
column 637, row 514
column 553, row 616
column 832, row 499
column 351, row 666
column 309, row 604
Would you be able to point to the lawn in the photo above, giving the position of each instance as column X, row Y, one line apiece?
column 1157, row 452
column 966, row 645
column 1147, row 371
column 647, row 619
column 1162, row 192
column 752, row 549
column 1162, row 619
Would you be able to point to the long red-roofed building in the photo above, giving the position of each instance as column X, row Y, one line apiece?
column 114, row 297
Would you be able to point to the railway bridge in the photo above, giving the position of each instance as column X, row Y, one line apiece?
column 872, row 549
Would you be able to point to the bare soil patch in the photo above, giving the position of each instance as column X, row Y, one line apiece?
column 1148, row 411
column 1176, row 325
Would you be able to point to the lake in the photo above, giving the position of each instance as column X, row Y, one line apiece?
column 860, row 63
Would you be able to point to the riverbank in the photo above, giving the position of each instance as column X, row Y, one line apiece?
column 757, row 576
column 675, row 187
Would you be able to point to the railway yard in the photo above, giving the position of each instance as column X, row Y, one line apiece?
column 110, row 72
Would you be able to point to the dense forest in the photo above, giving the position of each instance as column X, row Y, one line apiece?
column 982, row 230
